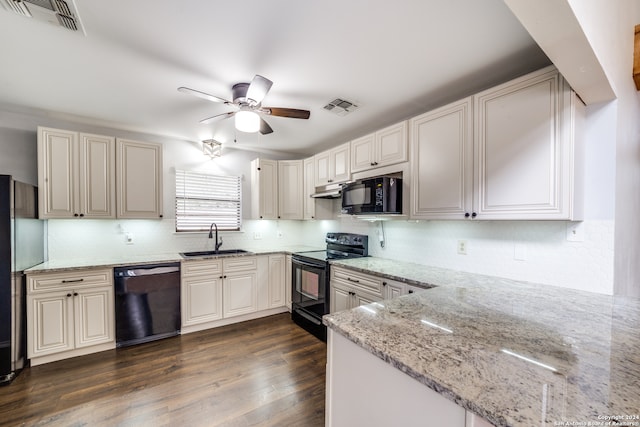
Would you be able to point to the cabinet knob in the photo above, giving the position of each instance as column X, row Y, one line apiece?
column 75, row 214
column 160, row 216
column 75, row 294
column 466, row 215
column 384, row 283
column 473, row 215
column 221, row 277
column 81, row 215
column 224, row 277
column 410, row 291
column 329, row 180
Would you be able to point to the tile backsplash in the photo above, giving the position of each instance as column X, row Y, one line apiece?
column 535, row 251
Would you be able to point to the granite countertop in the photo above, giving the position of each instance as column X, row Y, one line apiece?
column 515, row 353
column 108, row 262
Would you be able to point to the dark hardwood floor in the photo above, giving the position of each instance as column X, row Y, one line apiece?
column 264, row 372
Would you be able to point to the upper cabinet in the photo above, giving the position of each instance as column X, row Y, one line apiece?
column 442, row 162
column 264, row 189
column 139, row 179
column 332, row 166
column 75, row 174
column 519, row 156
column 290, row 189
column 385, row 147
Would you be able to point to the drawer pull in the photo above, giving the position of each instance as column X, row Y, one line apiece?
column 73, row 281
column 353, row 280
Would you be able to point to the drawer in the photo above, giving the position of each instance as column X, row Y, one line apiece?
column 358, row 280
column 70, row 279
column 241, row 263
column 201, row 267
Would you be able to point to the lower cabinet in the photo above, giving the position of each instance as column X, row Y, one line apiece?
column 69, row 314
column 349, row 289
column 220, row 291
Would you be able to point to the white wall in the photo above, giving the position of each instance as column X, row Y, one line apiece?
column 18, row 155
column 609, row 27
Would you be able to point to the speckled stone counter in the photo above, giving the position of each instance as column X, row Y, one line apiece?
column 515, row 353
column 86, row 263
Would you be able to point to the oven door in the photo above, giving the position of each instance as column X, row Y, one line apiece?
column 309, row 294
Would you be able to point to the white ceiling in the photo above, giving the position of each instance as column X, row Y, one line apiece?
column 395, row 59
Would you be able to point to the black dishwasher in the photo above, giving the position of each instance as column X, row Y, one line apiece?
column 147, row 302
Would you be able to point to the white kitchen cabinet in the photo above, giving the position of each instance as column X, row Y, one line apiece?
column 385, row 147
column 240, row 286
column 332, row 166
column 511, row 152
column 139, row 176
column 277, row 270
column 442, row 162
column 264, row 189
column 529, row 156
column 69, row 314
column 290, row 189
column 392, row 289
column 201, row 291
column 314, row 208
column 76, row 174
column 351, row 289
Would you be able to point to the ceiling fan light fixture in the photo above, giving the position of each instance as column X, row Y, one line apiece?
column 247, row 121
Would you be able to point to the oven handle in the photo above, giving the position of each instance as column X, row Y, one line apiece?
column 306, row 263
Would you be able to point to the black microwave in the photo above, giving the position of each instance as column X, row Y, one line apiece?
column 379, row 195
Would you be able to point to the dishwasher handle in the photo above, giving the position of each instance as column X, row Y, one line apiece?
column 146, row 270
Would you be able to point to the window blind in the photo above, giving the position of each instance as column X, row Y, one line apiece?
column 203, row 198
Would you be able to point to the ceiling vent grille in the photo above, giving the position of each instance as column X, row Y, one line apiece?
column 341, row 107
column 57, row 12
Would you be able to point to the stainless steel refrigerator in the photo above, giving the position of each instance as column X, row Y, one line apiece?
column 21, row 246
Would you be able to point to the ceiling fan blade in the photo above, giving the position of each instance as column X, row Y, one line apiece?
column 258, row 89
column 286, row 112
column 265, row 129
column 203, row 95
column 217, row 117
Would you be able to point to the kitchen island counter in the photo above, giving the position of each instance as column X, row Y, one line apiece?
column 514, row 353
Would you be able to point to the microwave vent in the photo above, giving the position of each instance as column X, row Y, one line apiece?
column 60, row 13
column 341, row 107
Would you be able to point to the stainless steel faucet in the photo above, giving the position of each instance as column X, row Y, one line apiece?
column 218, row 243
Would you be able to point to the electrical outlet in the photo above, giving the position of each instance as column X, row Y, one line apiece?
column 462, row 247
column 279, row 234
column 128, row 238
column 257, row 235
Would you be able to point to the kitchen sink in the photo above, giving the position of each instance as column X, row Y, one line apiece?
column 213, row 253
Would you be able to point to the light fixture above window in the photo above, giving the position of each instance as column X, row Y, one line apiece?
column 247, row 121
column 212, row 148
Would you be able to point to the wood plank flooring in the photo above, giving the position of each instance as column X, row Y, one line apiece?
column 264, row 372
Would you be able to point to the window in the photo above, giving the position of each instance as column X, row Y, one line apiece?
column 202, row 199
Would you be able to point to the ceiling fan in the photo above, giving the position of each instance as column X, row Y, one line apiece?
column 247, row 101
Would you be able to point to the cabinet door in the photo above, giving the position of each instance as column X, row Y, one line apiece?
column 442, row 162
column 276, row 281
column 339, row 163
column 363, row 153
column 94, row 316
column 322, row 168
column 50, row 323
column 201, row 299
column 97, row 176
column 340, row 297
column 519, row 149
column 391, row 145
column 393, row 289
column 308, row 202
column 57, row 173
column 364, row 299
column 139, row 179
column 290, row 189
column 264, row 189
column 240, row 293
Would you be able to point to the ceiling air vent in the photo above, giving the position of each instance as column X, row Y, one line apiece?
column 60, row 13
column 341, row 107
